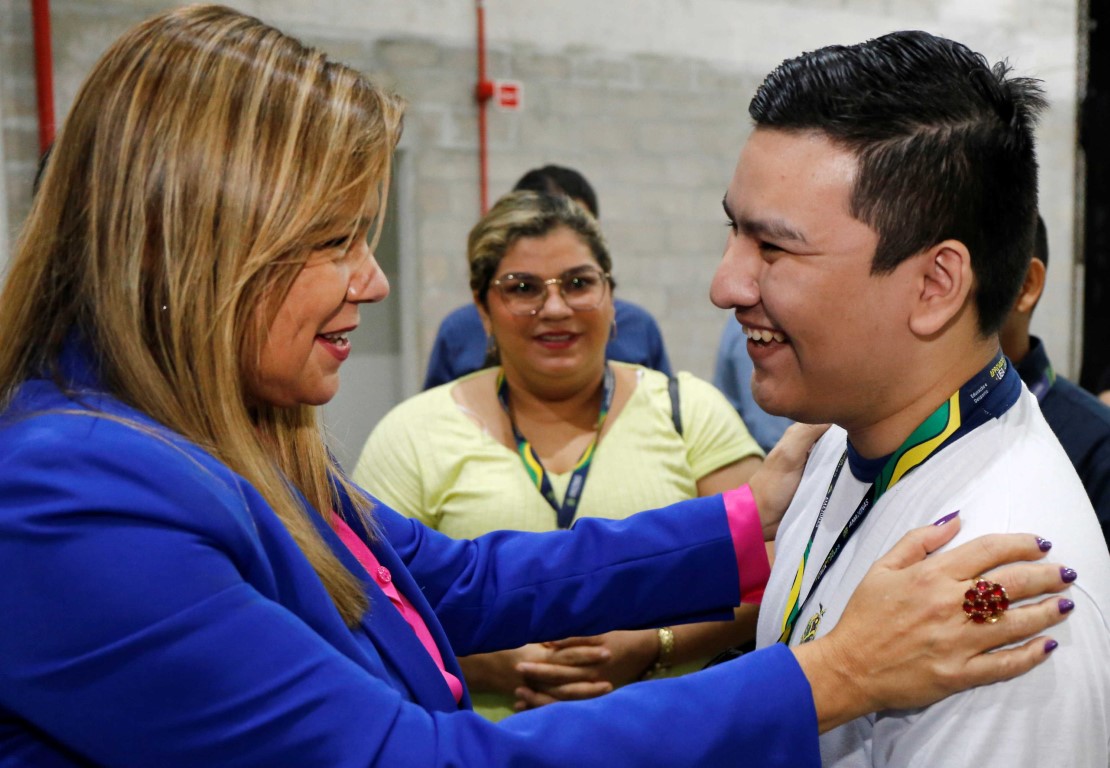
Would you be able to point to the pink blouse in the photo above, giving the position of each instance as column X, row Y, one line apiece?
column 384, row 579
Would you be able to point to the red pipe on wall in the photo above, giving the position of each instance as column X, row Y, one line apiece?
column 44, row 72
column 483, row 92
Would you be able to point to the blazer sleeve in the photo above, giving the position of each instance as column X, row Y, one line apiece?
column 141, row 627
column 501, row 590
column 753, row 712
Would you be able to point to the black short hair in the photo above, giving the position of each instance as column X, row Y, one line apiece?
column 559, row 180
column 1040, row 241
column 944, row 143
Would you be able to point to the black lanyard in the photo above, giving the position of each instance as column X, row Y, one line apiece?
column 988, row 395
column 534, row 467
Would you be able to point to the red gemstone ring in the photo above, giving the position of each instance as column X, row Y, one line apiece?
column 985, row 602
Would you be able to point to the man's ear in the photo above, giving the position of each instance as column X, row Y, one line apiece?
column 483, row 314
column 1032, row 287
column 946, row 282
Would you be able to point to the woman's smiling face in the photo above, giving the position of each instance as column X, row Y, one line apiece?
column 557, row 342
column 307, row 340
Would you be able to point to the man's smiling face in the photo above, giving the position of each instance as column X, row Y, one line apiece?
column 824, row 332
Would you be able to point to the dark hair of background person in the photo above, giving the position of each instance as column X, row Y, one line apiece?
column 559, row 180
column 1040, row 242
column 944, row 144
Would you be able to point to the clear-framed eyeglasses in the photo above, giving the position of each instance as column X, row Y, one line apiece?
column 582, row 289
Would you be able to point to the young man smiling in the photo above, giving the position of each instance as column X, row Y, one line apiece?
column 882, row 213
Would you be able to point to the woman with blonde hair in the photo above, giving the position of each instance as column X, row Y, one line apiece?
column 191, row 580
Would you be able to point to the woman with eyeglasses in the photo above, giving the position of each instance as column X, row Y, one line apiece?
column 552, row 432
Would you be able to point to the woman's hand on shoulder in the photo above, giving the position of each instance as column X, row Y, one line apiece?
column 904, row 640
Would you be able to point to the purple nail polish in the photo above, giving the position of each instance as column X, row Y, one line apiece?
column 1068, row 575
column 1044, row 544
column 1050, row 646
column 946, row 518
column 1066, row 605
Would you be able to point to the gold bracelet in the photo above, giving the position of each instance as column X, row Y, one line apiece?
column 666, row 654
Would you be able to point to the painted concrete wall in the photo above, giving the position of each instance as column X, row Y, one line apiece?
column 648, row 100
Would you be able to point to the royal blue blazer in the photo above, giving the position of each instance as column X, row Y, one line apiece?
column 155, row 612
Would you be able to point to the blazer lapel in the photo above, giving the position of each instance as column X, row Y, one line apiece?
column 408, row 587
column 392, row 637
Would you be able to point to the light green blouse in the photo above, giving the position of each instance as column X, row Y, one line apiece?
column 429, row 460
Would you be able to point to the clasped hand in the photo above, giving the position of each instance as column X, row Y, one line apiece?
column 583, row 667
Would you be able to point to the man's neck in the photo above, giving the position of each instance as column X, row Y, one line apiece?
column 885, row 435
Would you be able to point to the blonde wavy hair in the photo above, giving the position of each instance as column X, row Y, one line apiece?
column 202, row 160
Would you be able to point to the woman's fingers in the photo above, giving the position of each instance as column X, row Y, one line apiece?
column 916, row 544
column 774, row 483
column 543, row 676
column 573, row 641
column 1025, row 621
column 528, row 698
column 794, row 445
column 1010, row 662
column 974, row 558
column 1031, row 579
column 581, row 655
column 904, row 639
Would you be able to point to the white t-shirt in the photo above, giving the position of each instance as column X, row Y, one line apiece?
column 1008, row 475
